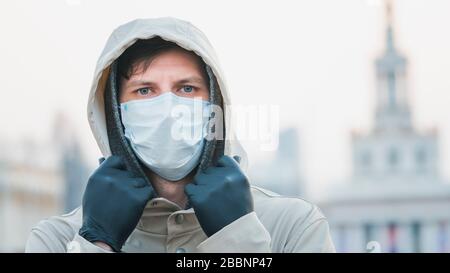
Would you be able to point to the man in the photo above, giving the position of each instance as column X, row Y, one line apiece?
column 159, row 190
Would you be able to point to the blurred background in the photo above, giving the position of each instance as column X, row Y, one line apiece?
column 362, row 87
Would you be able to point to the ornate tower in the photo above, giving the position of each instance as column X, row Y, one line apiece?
column 393, row 150
column 392, row 109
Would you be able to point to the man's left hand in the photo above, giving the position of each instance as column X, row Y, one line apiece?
column 220, row 195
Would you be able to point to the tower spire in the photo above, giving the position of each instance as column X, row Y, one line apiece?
column 388, row 8
column 392, row 104
column 389, row 27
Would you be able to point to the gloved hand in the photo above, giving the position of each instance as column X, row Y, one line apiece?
column 220, row 195
column 113, row 203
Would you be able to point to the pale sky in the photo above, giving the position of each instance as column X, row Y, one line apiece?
column 312, row 58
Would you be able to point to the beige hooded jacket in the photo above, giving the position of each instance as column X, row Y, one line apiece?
column 278, row 224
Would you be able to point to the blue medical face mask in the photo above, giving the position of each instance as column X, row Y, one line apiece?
column 167, row 132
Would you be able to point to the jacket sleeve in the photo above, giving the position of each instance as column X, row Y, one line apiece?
column 49, row 236
column 246, row 234
column 311, row 235
column 81, row 245
column 308, row 233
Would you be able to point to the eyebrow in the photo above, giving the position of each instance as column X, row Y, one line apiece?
column 193, row 79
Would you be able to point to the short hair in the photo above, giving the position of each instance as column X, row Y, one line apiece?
column 143, row 52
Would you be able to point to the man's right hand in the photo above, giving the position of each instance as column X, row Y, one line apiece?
column 113, row 203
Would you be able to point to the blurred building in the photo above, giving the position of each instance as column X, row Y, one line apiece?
column 73, row 166
column 395, row 200
column 30, row 190
column 281, row 173
column 38, row 179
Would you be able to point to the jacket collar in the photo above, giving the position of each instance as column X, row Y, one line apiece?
column 162, row 216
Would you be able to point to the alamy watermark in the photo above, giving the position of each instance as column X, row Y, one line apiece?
column 254, row 123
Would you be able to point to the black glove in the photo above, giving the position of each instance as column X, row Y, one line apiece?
column 113, row 203
column 220, row 195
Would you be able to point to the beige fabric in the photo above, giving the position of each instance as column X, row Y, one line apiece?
column 278, row 224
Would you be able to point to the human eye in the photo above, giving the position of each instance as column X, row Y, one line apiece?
column 188, row 88
column 143, row 91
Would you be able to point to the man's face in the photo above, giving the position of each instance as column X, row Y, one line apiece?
column 176, row 71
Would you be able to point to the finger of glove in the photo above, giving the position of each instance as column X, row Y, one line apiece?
column 203, row 178
column 190, row 189
column 226, row 161
column 237, row 159
column 139, row 182
column 139, row 194
column 215, row 180
column 145, row 193
column 100, row 160
column 122, row 176
column 114, row 162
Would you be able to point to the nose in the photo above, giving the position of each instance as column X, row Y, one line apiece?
column 166, row 85
column 166, row 90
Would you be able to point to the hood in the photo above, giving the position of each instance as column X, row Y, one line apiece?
column 171, row 29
